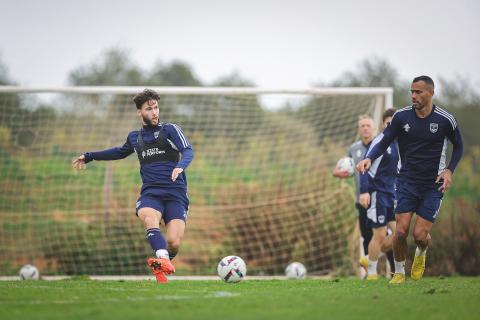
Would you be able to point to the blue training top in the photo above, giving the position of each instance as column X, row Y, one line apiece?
column 382, row 175
column 422, row 144
column 155, row 174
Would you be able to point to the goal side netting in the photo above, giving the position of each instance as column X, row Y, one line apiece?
column 260, row 186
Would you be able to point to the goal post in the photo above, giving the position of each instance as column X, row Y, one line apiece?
column 260, row 185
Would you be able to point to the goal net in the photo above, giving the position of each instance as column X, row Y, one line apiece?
column 260, row 185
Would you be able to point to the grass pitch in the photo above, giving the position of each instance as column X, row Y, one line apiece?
column 430, row 298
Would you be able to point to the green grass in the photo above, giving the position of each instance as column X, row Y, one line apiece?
column 431, row 298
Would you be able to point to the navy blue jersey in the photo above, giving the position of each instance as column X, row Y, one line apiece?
column 422, row 144
column 382, row 175
column 155, row 173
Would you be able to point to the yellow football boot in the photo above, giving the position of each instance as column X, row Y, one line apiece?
column 398, row 278
column 372, row 277
column 363, row 261
column 418, row 267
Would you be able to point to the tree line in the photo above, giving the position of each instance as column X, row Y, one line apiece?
column 115, row 67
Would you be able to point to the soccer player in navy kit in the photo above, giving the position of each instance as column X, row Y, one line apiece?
column 377, row 196
column 164, row 153
column 422, row 131
column 366, row 132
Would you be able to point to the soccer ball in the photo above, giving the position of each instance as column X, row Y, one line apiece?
column 232, row 269
column 346, row 164
column 296, row 270
column 29, row 272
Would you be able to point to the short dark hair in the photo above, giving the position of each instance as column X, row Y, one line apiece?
column 425, row 79
column 388, row 113
column 144, row 96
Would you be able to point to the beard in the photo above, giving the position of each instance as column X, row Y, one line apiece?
column 418, row 106
column 149, row 122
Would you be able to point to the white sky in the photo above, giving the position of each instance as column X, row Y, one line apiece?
column 281, row 44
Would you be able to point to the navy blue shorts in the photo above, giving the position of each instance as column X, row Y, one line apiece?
column 422, row 200
column 172, row 204
column 380, row 211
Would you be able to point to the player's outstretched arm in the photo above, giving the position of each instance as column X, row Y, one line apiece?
column 79, row 162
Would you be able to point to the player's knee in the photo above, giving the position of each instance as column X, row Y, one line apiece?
column 420, row 235
column 150, row 220
column 174, row 242
column 401, row 233
column 379, row 238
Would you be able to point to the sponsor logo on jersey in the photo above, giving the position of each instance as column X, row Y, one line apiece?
column 151, row 152
column 406, row 127
column 433, row 127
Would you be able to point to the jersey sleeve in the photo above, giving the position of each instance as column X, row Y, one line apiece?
column 455, row 138
column 178, row 138
column 115, row 153
column 364, row 182
column 387, row 137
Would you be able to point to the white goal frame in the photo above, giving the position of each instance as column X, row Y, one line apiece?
column 383, row 96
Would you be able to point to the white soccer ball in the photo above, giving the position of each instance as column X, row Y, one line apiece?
column 296, row 270
column 29, row 272
column 346, row 164
column 232, row 269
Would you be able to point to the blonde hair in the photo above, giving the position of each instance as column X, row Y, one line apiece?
column 367, row 117
column 364, row 116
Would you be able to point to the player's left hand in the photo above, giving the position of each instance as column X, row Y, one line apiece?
column 175, row 173
column 365, row 200
column 446, row 177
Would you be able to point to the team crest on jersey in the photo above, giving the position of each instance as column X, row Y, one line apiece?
column 156, row 134
column 406, row 127
column 433, row 127
column 381, row 219
column 359, row 153
column 144, row 154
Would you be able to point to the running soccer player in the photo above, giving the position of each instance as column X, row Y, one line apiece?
column 164, row 153
column 366, row 131
column 377, row 195
column 422, row 131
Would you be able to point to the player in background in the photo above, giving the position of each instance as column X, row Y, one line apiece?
column 421, row 131
column 366, row 131
column 377, row 195
column 164, row 153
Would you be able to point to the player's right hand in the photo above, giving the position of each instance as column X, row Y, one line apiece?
column 79, row 162
column 340, row 174
column 364, row 165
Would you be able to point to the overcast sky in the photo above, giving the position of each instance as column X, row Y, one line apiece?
column 282, row 44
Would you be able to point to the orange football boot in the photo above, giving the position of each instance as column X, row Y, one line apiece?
column 160, row 267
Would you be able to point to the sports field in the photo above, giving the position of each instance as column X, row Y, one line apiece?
column 430, row 298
